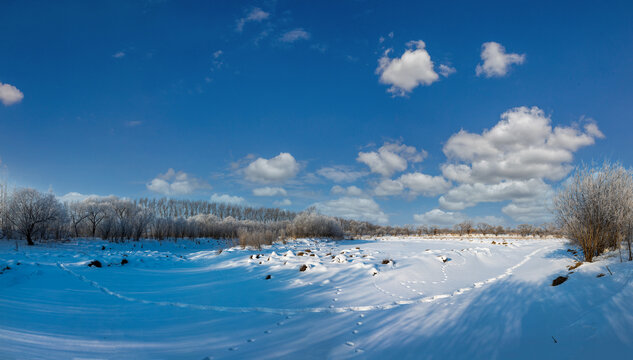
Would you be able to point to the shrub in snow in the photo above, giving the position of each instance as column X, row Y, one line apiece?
column 595, row 209
column 312, row 224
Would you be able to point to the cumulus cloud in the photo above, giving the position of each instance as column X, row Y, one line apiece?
column 227, row 199
column 9, row 94
column 536, row 209
column 280, row 168
column 391, row 158
column 269, row 191
column 441, row 218
column 350, row 190
column 341, row 174
column 423, row 184
column 496, row 62
column 512, row 161
column 416, row 183
column 254, row 15
column 408, row 71
column 522, row 145
column 176, row 183
column 438, row 217
column 294, row 35
column 388, row 187
column 357, row 208
column 468, row 195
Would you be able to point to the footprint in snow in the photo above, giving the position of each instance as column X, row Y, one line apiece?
column 267, row 332
column 250, row 340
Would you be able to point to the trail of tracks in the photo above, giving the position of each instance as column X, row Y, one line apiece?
column 281, row 311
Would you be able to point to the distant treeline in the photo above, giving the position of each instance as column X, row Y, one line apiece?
column 33, row 215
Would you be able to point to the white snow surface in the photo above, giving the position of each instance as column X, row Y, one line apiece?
column 434, row 298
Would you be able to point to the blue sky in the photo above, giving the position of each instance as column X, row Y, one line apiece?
column 353, row 106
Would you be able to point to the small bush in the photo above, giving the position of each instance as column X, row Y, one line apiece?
column 595, row 209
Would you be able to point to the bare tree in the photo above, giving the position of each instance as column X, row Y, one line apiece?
column 465, row 227
column 484, row 228
column 31, row 212
column 77, row 214
column 595, row 208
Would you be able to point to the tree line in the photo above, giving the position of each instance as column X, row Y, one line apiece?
column 33, row 215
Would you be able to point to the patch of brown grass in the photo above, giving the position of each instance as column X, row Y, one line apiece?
column 575, row 266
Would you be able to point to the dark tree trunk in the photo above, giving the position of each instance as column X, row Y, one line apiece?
column 29, row 240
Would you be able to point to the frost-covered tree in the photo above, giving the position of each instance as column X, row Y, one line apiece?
column 595, row 208
column 31, row 212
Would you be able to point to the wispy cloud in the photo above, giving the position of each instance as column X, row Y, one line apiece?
column 254, row 15
column 294, row 35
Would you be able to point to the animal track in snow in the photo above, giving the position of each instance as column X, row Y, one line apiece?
column 330, row 309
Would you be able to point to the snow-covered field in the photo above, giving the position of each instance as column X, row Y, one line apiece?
column 436, row 298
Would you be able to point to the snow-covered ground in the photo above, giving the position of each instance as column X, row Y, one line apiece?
column 434, row 298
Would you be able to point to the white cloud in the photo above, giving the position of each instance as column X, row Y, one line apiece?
column 407, row 72
column 532, row 210
column 391, row 158
column 468, row 195
column 350, row 190
column 521, row 146
column 281, row 167
column 10, row 95
column 441, row 218
column 357, row 208
column 227, row 199
column 269, row 191
column 284, row 202
column 423, row 184
column 176, row 183
column 438, row 217
column 446, row 70
column 294, row 35
column 496, row 62
column 340, row 174
column 254, row 15
column 118, row 55
column 416, row 183
column 388, row 187
column 512, row 161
